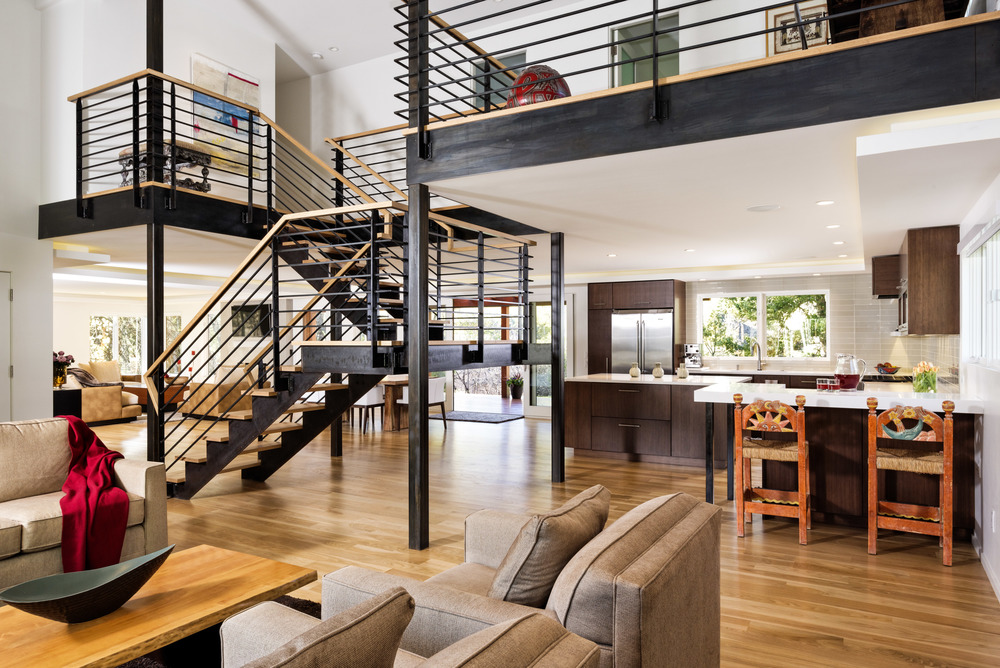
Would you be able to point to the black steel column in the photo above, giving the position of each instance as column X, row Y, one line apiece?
column 710, row 452
column 155, row 322
column 154, row 335
column 558, row 394
column 416, row 283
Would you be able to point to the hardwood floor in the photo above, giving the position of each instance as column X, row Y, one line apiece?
column 825, row 604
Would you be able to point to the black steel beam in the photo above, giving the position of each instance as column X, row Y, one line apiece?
column 342, row 359
column 417, row 338
column 926, row 71
column 492, row 221
column 556, row 360
column 155, row 323
column 154, row 35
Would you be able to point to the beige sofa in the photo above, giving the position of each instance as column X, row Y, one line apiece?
column 34, row 461
column 228, row 393
column 270, row 635
column 105, row 404
column 645, row 589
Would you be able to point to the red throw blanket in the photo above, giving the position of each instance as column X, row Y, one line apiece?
column 94, row 511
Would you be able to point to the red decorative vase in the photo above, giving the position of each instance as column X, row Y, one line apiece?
column 538, row 83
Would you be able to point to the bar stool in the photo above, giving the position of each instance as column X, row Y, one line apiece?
column 772, row 417
column 898, row 453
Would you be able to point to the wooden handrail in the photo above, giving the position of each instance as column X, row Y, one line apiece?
column 444, row 221
column 229, row 282
column 365, row 166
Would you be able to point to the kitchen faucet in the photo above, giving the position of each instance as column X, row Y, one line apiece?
column 756, row 347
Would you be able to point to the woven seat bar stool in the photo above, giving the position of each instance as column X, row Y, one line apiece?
column 892, row 446
column 771, row 417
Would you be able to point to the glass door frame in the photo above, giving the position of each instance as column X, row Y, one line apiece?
column 531, row 410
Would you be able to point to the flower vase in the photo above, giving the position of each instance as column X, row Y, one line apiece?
column 657, row 370
column 59, row 374
column 634, row 370
column 516, row 391
column 925, row 381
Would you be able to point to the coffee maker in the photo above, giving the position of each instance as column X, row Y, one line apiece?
column 692, row 355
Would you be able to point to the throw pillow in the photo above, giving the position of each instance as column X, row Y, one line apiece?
column 366, row 635
column 546, row 543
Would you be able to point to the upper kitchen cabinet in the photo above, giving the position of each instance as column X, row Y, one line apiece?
column 885, row 276
column 599, row 295
column 929, row 281
column 642, row 295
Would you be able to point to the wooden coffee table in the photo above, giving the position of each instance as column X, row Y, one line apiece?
column 193, row 590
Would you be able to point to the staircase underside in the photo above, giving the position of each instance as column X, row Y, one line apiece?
column 391, row 356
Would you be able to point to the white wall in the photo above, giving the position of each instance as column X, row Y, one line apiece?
column 984, row 382
column 354, row 99
column 293, row 110
column 28, row 260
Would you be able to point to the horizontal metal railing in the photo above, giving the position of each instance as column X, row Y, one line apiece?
column 475, row 49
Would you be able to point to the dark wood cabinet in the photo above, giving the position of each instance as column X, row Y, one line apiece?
column 599, row 295
column 929, row 279
column 885, row 276
column 631, row 436
column 803, row 382
column 642, row 295
column 577, row 397
column 599, row 340
column 627, row 400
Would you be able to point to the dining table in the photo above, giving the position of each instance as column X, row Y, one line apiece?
column 393, row 385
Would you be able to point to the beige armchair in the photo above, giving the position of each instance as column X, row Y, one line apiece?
column 229, row 393
column 106, row 404
column 645, row 589
column 271, row 635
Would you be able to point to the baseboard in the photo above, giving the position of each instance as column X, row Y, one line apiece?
column 992, row 576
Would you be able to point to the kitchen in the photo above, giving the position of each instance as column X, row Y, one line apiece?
column 663, row 420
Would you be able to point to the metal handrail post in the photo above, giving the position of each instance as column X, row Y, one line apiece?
column 481, row 281
column 136, row 197
column 373, row 225
column 81, row 211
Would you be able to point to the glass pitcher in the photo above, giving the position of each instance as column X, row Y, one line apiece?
column 847, row 371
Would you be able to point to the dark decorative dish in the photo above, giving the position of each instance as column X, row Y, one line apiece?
column 85, row 595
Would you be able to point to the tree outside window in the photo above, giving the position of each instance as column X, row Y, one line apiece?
column 795, row 325
column 117, row 338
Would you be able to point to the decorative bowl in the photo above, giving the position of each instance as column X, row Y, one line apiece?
column 887, row 370
column 85, row 595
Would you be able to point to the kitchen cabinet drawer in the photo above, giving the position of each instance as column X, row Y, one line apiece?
column 804, row 382
column 885, row 276
column 626, row 400
column 577, row 421
column 642, row 295
column 598, row 295
column 631, row 436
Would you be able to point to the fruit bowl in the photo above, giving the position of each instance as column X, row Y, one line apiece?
column 887, row 369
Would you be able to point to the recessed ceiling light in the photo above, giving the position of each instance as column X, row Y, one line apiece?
column 824, row 202
column 334, row 49
column 842, row 255
column 832, row 227
column 688, row 250
column 763, row 208
column 838, row 243
column 817, row 274
column 756, row 276
column 612, row 254
column 701, row 279
column 317, row 56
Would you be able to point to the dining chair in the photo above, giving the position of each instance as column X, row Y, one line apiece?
column 374, row 398
column 435, row 397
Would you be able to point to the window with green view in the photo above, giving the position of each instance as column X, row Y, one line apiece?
column 632, row 50
column 795, row 325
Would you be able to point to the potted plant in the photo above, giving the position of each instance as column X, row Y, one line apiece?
column 516, row 385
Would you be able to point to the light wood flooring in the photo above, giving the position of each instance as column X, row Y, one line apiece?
column 825, row 604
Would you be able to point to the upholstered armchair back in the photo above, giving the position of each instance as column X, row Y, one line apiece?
column 34, row 458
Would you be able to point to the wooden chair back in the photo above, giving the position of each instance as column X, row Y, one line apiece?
column 921, row 425
column 771, row 416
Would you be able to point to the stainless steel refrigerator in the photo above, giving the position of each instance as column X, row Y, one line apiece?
column 646, row 337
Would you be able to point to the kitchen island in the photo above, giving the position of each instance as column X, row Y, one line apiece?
column 646, row 419
column 837, row 431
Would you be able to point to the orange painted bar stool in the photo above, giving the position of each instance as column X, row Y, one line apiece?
column 773, row 417
column 900, row 429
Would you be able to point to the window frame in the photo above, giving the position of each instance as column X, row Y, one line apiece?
column 481, row 75
column 614, row 48
column 761, row 296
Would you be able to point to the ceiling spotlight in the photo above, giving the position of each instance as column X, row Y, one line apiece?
column 317, row 56
column 824, row 202
column 838, row 243
column 763, row 208
column 612, row 254
column 817, row 274
column 756, row 276
column 701, row 279
column 334, row 49
column 832, row 227
column 842, row 255
column 688, row 250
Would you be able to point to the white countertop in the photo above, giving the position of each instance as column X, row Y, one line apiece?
column 869, row 373
column 647, row 379
column 722, row 393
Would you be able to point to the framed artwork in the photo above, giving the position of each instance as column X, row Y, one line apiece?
column 784, row 39
column 220, row 127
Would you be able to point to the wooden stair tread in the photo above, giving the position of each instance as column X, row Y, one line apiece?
column 326, row 232
column 238, row 464
column 304, row 407
column 266, row 392
column 291, row 368
column 391, row 302
column 326, row 387
column 199, row 456
column 273, row 429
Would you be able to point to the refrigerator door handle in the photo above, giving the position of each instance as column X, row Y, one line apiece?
column 642, row 345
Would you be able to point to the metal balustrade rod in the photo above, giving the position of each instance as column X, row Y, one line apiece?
column 373, row 284
column 270, row 176
column 136, row 198
column 523, row 280
column 250, row 166
column 81, row 210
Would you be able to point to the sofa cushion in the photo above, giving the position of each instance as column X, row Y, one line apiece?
column 10, row 538
column 584, row 596
column 470, row 577
column 366, row 635
column 40, row 518
column 533, row 640
column 34, row 457
column 545, row 544
column 106, row 372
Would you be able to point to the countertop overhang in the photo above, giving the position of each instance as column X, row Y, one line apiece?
column 647, row 379
column 722, row 393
